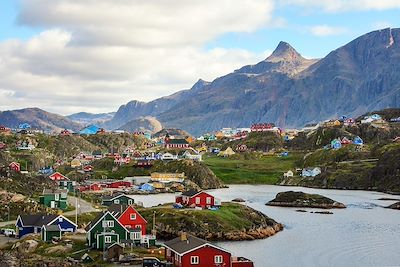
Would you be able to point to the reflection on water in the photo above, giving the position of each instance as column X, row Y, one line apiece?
column 364, row 234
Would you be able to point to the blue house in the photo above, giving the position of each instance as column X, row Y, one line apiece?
column 358, row 141
column 24, row 126
column 90, row 130
column 146, row 187
column 28, row 224
column 336, row 143
column 46, row 170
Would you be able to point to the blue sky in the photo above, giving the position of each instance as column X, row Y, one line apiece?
column 69, row 56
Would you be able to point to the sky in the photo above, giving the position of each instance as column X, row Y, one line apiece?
column 68, row 56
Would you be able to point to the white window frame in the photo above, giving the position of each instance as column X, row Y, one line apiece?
column 208, row 200
column 197, row 200
column 107, row 239
column 56, row 197
column 132, row 216
column 136, row 235
column 107, row 224
column 218, row 259
column 130, row 202
column 116, row 201
column 194, row 260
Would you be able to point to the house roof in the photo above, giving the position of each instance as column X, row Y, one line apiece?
column 118, row 195
column 94, row 221
column 54, row 191
column 190, row 193
column 52, row 227
column 189, row 244
column 37, row 219
column 176, row 141
column 117, row 209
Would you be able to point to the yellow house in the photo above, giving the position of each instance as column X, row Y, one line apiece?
column 166, row 177
column 75, row 163
column 220, row 135
column 158, row 185
column 189, row 139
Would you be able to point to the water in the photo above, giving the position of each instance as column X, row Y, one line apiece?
column 365, row 234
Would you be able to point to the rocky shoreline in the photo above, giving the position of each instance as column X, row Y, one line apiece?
column 395, row 206
column 303, row 200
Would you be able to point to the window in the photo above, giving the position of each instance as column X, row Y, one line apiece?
column 116, row 201
column 194, row 260
column 129, row 201
column 197, row 200
column 107, row 239
column 136, row 235
column 208, row 200
column 108, row 223
column 56, row 197
column 60, row 219
column 218, row 259
column 133, row 216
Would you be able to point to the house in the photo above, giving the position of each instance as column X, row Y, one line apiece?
column 241, row 148
column 137, row 180
column 119, row 184
column 193, row 198
column 55, row 199
column 14, row 166
column 261, row 127
column 144, row 163
column 67, row 185
column 91, row 187
column 120, row 160
column 192, row 156
column 129, row 217
column 114, row 252
column 90, row 130
column 97, row 154
column 349, row 122
column 146, row 187
column 397, row 139
column 310, row 172
column 46, row 170
column 336, row 143
column 88, row 168
column 104, row 231
column 117, row 199
column 28, row 224
column 65, row 132
column 219, row 135
column 391, row 120
column 379, row 123
column 289, row 173
column 168, row 156
column 50, row 231
column 167, row 177
column 158, row 185
column 189, row 251
column 75, row 163
column 227, row 152
column 25, row 145
column 345, row 141
column 358, row 141
column 371, row 118
column 175, row 143
column 57, row 177
column 24, row 126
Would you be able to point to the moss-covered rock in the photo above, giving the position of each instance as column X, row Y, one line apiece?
column 304, row 200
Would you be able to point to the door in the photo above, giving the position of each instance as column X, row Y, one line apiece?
column 52, row 204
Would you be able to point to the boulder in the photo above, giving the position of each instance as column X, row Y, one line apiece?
column 27, row 246
column 238, row 200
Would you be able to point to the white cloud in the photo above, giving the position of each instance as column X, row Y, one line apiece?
column 325, row 30
column 95, row 55
column 345, row 5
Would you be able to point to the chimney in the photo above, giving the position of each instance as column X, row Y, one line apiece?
column 184, row 236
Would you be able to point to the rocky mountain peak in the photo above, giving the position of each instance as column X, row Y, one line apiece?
column 284, row 52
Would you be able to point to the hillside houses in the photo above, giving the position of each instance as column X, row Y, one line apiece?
column 194, row 198
column 28, row 224
column 168, row 177
column 54, row 198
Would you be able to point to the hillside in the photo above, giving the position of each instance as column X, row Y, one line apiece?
column 37, row 118
column 91, row 118
column 143, row 124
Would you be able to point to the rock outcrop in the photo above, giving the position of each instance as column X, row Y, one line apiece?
column 303, row 200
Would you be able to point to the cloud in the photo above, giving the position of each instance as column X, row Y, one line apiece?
column 325, row 30
column 95, row 55
column 344, row 5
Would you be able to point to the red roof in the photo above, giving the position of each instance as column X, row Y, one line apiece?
column 58, row 176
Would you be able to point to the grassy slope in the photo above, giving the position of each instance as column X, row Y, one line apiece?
column 261, row 170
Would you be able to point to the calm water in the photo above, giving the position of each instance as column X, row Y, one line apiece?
column 364, row 234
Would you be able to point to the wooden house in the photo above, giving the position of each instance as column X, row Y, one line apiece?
column 129, row 217
column 14, row 166
column 28, row 224
column 119, row 184
column 55, row 199
column 117, row 199
column 167, row 177
column 58, row 177
column 193, row 198
column 50, row 231
column 189, row 251
column 75, row 163
column 175, row 143
column 65, row 132
column 67, row 185
column 114, row 252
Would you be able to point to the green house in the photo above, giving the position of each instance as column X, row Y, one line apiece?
column 55, row 199
column 50, row 231
column 121, row 199
column 68, row 185
column 105, row 230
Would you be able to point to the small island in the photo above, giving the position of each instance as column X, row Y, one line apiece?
column 395, row 206
column 304, row 200
column 232, row 222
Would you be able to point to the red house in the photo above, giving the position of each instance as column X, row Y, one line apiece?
column 58, row 177
column 88, row 168
column 14, row 166
column 128, row 217
column 119, row 184
column 65, row 132
column 262, row 127
column 188, row 251
column 193, row 198
column 92, row 187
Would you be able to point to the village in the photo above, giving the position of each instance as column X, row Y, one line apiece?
column 108, row 180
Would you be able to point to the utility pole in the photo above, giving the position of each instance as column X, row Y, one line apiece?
column 76, row 208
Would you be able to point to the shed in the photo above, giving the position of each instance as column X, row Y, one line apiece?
column 50, row 231
column 114, row 251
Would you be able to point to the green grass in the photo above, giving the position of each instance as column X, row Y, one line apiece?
column 261, row 170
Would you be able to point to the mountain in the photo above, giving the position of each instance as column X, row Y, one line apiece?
column 91, row 118
column 37, row 118
column 143, row 124
column 136, row 109
column 290, row 90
